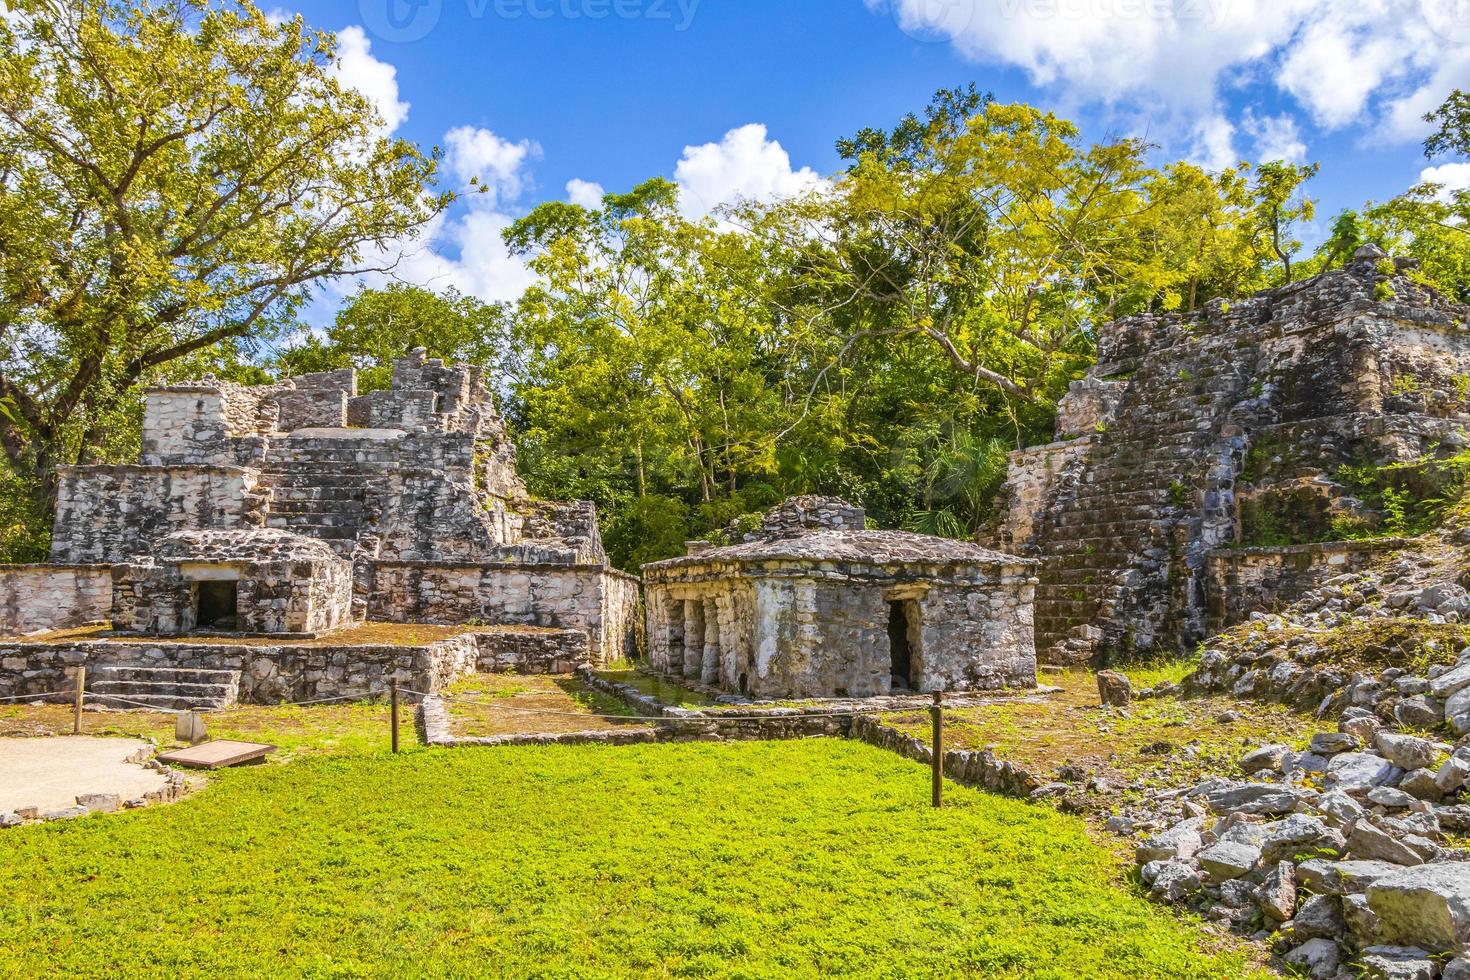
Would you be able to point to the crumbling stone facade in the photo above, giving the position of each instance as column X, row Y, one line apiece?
column 1228, row 427
column 261, row 581
column 304, row 504
column 816, row 605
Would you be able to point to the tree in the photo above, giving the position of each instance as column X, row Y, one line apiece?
column 174, row 174
column 635, row 337
column 1453, row 120
column 377, row 325
column 995, row 234
column 1278, row 207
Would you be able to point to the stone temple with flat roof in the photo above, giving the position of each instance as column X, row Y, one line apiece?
column 815, row 604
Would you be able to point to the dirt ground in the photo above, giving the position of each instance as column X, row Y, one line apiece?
column 1151, row 743
column 50, row 773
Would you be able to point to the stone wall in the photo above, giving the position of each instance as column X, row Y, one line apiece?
column 1247, row 580
column 48, row 597
column 623, row 636
column 108, row 514
column 1242, row 401
column 286, row 672
column 532, row 651
column 269, row 674
column 1034, row 479
column 589, row 598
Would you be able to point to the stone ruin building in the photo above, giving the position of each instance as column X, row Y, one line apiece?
column 1196, row 476
column 298, row 508
column 816, row 605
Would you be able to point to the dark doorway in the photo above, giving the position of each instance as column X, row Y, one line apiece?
column 902, row 655
column 216, row 606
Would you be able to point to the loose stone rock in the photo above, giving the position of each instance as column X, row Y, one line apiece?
column 1427, row 906
column 1320, row 917
column 1396, row 963
column 1407, row 751
column 1114, row 689
column 1227, row 860
column 1319, row 957
column 1265, row 759
column 1276, row 896
column 1368, row 843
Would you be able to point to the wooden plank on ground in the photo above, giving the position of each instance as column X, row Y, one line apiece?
column 217, row 754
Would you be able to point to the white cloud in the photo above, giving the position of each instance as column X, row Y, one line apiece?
column 745, row 165
column 355, row 67
column 1389, row 61
column 1112, row 49
column 1214, row 143
column 585, row 193
column 1450, row 176
column 495, row 164
column 1275, row 137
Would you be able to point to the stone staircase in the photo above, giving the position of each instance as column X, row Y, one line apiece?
column 1116, row 549
column 176, row 688
column 321, row 490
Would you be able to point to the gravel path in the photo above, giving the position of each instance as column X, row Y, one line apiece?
column 50, row 773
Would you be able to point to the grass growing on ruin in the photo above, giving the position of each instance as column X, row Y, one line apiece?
column 808, row 858
column 666, row 690
column 1163, row 740
column 1363, row 644
column 506, row 704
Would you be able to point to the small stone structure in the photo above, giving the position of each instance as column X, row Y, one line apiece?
column 816, row 605
column 302, row 507
column 260, row 581
column 1222, row 428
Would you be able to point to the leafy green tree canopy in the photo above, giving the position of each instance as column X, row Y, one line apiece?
column 174, row 174
column 377, row 325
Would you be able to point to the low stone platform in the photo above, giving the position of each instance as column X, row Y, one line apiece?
column 363, row 661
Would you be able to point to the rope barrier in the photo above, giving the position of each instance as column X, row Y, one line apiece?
column 139, row 704
column 34, row 697
column 695, row 719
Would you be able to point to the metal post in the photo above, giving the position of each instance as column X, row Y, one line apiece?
column 393, row 710
column 76, row 714
column 937, row 713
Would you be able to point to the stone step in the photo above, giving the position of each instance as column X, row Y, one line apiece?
column 179, row 675
column 170, row 702
column 177, row 688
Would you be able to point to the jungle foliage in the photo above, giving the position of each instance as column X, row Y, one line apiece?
column 179, row 174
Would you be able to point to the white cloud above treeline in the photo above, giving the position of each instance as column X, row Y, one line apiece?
column 746, row 165
column 1381, row 65
column 492, row 173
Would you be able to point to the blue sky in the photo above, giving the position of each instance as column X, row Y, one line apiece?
column 533, row 95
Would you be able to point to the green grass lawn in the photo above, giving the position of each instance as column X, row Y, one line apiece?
column 806, row 858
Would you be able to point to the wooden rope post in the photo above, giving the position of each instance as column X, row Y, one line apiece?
column 937, row 713
column 393, row 710
column 76, row 713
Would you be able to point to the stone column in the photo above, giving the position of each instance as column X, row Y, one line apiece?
column 659, row 625
column 673, row 645
column 693, row 637
column 710, row 672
